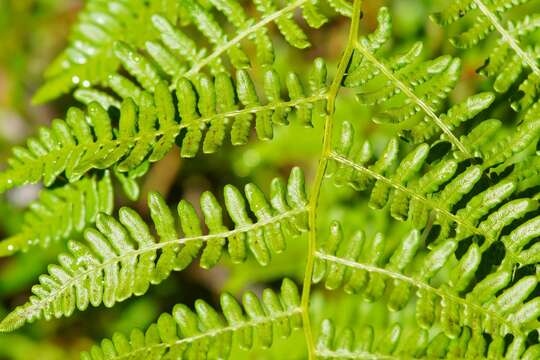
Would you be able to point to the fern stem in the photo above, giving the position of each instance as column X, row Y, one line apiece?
column 409, row 93
column 319, row 177
column 243, row 34
column 422, row 285
column 507, row 37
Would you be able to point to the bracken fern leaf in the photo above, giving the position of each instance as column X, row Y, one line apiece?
column 121, row 258
column 147, row 131
column 205, row 333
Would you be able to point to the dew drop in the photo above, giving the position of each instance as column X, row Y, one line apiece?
column 75, row 79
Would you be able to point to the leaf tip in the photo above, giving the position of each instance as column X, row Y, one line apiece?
column 12, row 321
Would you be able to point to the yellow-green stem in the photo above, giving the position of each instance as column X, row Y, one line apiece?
column 321, row 168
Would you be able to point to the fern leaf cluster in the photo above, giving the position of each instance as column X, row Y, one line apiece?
column 121, row 258
column 514, row 53
column 388, row 83
column 403, row 89
column 147, row 131
column 102, row 40
column 60, row 213
column 398, row 343
column 445, row 269
column 362, row 266
column 88, row 58
column 206, row 333
column 458, row 191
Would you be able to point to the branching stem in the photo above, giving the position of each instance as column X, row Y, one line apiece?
column 321, row 168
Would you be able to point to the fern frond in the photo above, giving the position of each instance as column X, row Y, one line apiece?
column 60, row 213
column 425, row 129
column 142, row 66
column 456, row 192
column 486, row 213
column 495, row 304
column 400, row 86
column 410, row 343
column 291, row 31
column 395, row 343
column 208, row 109
column 121, row 258
column 205, row 333
column 66, row 210
column 104, row 39
column 88, row 58
column 512, row 55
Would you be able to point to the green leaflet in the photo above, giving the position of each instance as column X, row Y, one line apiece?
column 416, row 187
column 401, row 342
column 512, row 55
column 397, row 342
column 205, row 333
column 109, row 35
column 88, row 58
column 62, row 212
column 399, row 87
column 362, row 267
column 120, row 258
column 148, row 128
